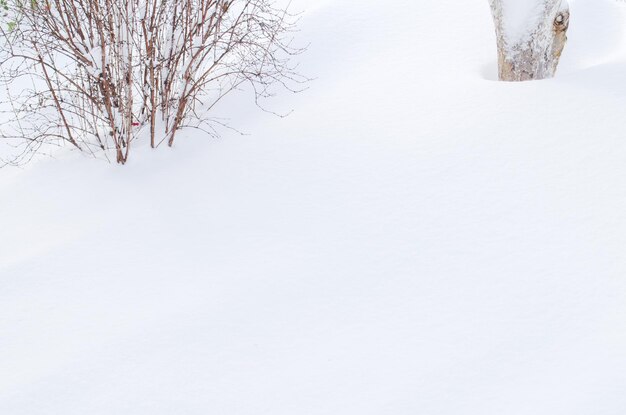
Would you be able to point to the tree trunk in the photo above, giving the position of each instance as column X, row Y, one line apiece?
column 531, row 35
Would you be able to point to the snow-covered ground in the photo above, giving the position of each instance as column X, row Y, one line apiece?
column 414, row 239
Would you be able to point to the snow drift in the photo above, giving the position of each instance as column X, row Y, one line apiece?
column 414, row 238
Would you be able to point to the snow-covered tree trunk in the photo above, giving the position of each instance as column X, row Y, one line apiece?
column 531, row 35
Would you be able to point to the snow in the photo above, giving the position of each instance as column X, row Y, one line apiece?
column 520, row 17
column 414, row 239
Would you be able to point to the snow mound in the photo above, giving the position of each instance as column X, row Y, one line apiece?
column 413, row 239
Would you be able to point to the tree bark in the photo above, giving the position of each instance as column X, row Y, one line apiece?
column 532, row 49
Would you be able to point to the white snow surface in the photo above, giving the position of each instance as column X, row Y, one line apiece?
column 414, row 239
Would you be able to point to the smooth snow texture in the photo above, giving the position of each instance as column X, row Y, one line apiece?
column 414, row 239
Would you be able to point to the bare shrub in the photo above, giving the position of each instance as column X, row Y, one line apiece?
column 100, row 74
